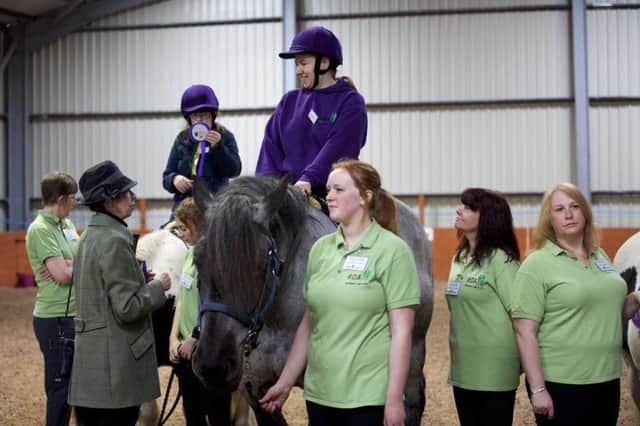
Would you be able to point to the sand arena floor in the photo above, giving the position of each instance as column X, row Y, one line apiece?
column 22, row 399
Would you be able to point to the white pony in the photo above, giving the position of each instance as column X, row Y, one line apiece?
column 627, row 257
column 163, row 251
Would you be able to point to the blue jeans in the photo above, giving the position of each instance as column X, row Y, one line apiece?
column 56, row 386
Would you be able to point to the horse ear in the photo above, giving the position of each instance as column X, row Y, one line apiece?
column 272, row 202
column 201, row 194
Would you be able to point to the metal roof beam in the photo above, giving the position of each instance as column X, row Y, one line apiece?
column 57, row 24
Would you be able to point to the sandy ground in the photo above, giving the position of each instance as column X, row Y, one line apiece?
column 22, row 399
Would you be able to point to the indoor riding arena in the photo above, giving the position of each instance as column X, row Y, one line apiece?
column 514, row 96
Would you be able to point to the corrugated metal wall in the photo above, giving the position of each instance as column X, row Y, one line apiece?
column 333, row 7
column 132, row 70
column 444, row 151
column 614, row 69
column 457, row 57
column 147, row 70
column 614, row 43
column 470, row 98
column 190, row 11
column 615, row 148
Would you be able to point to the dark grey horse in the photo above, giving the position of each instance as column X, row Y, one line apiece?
column 251, row 223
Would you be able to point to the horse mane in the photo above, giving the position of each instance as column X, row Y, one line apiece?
column 233, row 249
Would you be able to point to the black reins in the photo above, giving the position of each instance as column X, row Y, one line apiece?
column 267, row 298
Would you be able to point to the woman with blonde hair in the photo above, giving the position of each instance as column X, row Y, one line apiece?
column 566, row 312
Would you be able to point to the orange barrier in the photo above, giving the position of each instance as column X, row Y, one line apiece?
column 13, row 255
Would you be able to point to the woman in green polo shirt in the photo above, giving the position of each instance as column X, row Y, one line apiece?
column 361, row 288
column 485, row 368
column 567, row 305
column 199, row 403
column 51, row 245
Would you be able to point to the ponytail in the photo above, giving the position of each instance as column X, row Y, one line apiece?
column 350, row 82
column 384, row 211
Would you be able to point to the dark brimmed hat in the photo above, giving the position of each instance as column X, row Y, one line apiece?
column 315, row 40
column 103, row 182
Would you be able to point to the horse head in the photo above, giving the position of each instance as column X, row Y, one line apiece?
column 250, row 227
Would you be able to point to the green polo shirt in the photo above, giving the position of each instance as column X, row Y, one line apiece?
column 483, row 347
column 578, row 310
column 188, row 297
column 349, row 293
column 51, row 236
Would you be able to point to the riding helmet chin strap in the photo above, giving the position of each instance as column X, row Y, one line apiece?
column 317, row 71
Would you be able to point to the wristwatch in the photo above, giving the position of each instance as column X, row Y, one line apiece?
column 196, row 332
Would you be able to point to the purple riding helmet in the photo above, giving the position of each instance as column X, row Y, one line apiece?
column 320, row 42
column 198, row 97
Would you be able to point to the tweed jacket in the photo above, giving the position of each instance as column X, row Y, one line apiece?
column 114, row 364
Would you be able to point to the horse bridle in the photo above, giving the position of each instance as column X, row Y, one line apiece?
column 253, row 322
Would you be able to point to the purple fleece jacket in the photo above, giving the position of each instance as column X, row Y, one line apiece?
column 312, row 129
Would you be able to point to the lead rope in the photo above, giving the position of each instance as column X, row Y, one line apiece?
column 161, row 420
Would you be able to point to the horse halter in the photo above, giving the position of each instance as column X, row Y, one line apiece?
column 253, row 322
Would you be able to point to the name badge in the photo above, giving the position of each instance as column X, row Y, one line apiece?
column 186, row 280
column 70, row 234
column 453, row 288
column 313, row 117
column 604, row 266
column 355, row 263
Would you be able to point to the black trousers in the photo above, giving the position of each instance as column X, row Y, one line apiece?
column 484, row 408
column 321, row 415
column 87, row 416
column 594, row 404
column 198, row 402
column 56, row 385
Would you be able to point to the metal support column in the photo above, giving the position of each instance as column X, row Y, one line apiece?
column 581, row 95
column 289, row 29
column 17, row 137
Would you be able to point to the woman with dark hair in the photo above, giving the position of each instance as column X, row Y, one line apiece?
column 206, row 148
column 360, row 292
column 567, row 305
column 318, row 124
column 51, row 245
column 485, row 368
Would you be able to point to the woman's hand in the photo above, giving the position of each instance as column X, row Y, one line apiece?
column 303, row 186
column 542, row 404
column 186, row 349
column 174, row 349
column 182, row 183
column 275, row 397
column 394, row 413
column 213, row 138
column 45, row 274
column 165, row 280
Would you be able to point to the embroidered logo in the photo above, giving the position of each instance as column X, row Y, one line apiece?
column 482, row 280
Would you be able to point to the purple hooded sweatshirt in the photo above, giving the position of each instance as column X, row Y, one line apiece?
column 312, row 129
